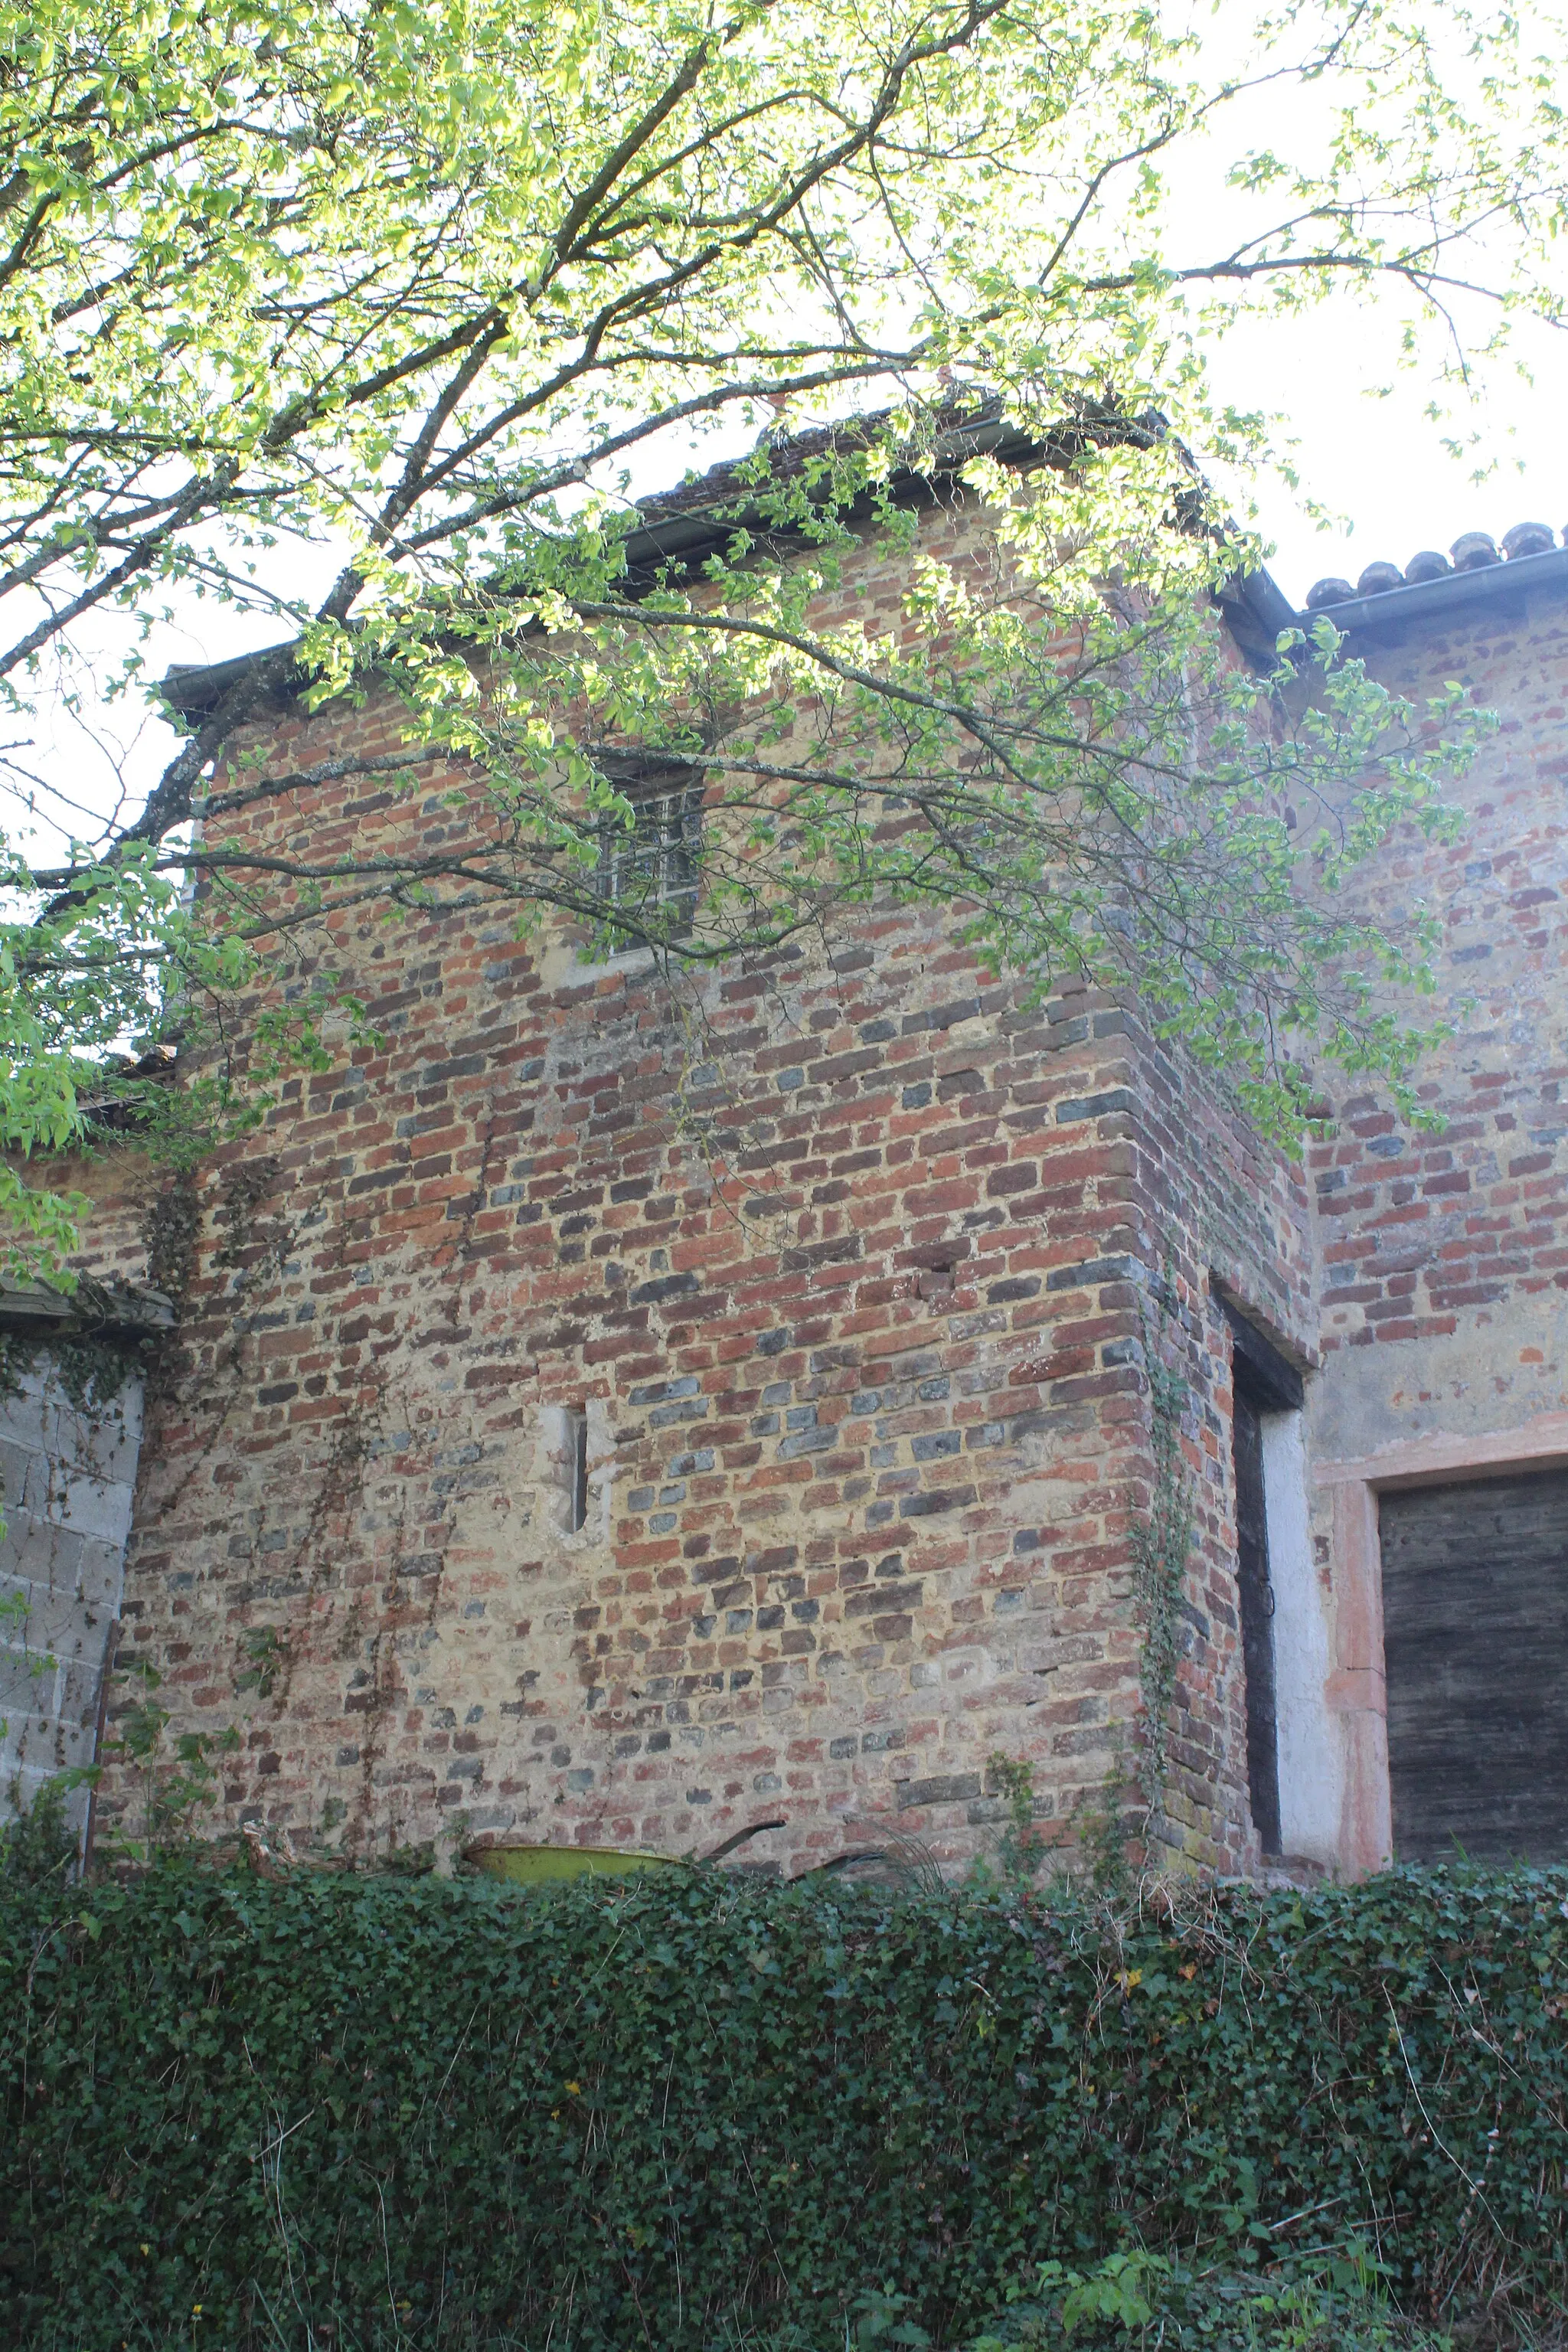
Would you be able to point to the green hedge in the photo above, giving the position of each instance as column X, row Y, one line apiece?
column 673, row 2111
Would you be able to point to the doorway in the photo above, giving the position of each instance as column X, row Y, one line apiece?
column 1263, row 1384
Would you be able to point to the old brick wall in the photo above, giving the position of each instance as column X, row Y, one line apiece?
column 849, row 1257
column 1226, row 1220
column 134, row 1228
column 811, row 1578
column 1444, row 1255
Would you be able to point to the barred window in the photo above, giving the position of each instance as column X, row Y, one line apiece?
column 651, row 870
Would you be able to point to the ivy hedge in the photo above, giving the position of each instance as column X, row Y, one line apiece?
column 700, row 2110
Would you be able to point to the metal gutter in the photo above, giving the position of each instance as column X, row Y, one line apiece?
column 188, row 687
column 1492, row 585
column 1257, row 609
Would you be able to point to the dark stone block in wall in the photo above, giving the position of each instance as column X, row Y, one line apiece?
column 942, row 1789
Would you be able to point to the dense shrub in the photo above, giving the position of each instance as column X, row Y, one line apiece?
column 693, row 2110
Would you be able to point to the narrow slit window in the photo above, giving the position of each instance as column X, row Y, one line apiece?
column 576, row 1472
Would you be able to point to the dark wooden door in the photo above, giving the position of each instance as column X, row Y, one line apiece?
column 1475, row 1628
column 1256, row 1595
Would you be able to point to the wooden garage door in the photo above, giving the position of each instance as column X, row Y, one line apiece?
column 1474, row 1618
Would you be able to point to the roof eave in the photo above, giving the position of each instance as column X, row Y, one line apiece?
column 1454, row 593
column 1254, row 607
column 113, row 1310
column 682, row 535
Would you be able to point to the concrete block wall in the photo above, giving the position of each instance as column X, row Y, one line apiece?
column 68, row 1472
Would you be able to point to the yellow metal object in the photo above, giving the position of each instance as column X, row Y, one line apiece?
column 542, row 1865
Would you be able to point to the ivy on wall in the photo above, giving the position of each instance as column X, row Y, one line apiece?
column 693, row 2110
column 170, row 1234
column 1163, row 1544
column 90, row 1371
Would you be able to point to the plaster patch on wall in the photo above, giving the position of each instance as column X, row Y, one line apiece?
column 1312, row 1766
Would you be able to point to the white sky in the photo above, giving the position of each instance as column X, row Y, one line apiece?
column 1379, row 462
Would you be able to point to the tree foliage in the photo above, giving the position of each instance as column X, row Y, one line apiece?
column 419, row 299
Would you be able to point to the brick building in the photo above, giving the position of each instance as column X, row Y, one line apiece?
column 519, row 1470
